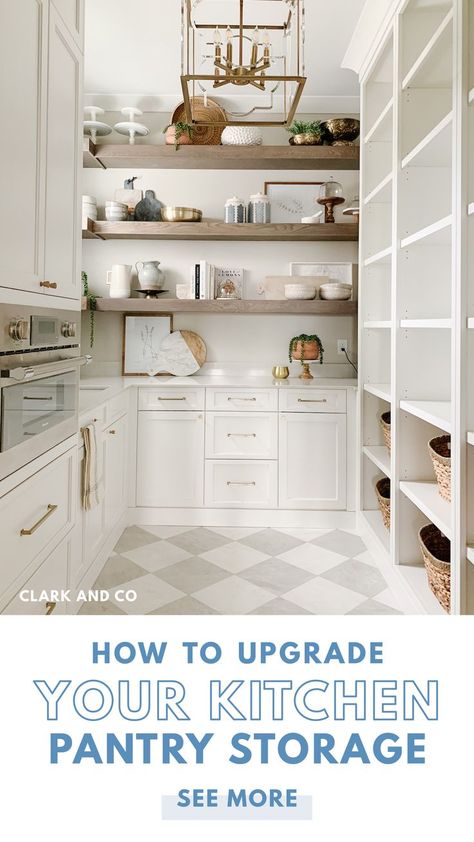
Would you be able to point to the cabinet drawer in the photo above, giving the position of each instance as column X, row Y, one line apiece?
column 241, row 485
column 237, row 435
column 248, row 400
column 116, row 407
column 43, row 507
column 97, row 414
column 171, row 399
column 313, row 400
column 51, row 576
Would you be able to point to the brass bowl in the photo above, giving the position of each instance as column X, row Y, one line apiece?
column 341, row 130
column 306, row 139
column 177, row 214
column 280, row 372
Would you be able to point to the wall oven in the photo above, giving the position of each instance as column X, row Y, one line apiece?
column 40, row 361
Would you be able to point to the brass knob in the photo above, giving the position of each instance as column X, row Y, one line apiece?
column 49, row 284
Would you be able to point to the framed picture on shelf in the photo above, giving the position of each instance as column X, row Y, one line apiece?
column 291, row 200
column 142, row 338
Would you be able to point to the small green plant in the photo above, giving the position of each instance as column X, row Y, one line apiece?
column 91, row 306
column 180, row 128
column 300, row 127
column 305, row 339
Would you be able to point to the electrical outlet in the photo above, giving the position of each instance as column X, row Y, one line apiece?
column 342, row 346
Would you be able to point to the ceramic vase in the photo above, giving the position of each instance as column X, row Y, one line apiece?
column 241, row 136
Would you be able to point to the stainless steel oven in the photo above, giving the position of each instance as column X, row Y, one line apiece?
column 40, row 361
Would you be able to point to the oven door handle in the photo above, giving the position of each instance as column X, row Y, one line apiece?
column 57, row 367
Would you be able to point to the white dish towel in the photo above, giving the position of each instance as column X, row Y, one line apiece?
column 92, row 471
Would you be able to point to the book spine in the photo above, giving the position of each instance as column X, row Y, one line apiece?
column 197, row 275
column 203, row 274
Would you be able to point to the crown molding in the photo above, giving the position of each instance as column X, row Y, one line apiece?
column 374, row 21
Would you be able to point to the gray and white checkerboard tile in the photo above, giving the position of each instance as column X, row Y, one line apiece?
column 235, row 570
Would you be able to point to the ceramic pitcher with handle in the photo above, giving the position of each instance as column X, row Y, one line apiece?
column 119, row 279
column 150, row 276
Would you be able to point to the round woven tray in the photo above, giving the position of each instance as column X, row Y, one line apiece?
column 210, row 113
column 440, row 452
column 386, row 429
column 436, row 552
column 382, row 489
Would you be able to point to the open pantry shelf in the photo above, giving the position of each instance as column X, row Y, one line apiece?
column 383, row 256
column 438, row 233
column 432, row 68
column 380, row 390
column 426, row 324
column 382, row 192
column 435, row 149
column 229, row 306
column 243, row 232
column 381, row 127
column 426, row 496
column 379, row 455
column 417, row 580
column 437, row 413
column 197, row 157
column 380, row 325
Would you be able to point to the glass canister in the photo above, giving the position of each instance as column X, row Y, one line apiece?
column 259, row 208
column 235, row 210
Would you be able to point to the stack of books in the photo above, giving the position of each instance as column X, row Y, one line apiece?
column 203, row 280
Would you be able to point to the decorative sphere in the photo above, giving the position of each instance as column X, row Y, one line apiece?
column 241, row 136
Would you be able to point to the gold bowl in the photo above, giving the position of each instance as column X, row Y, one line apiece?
column 306, row 139
column 177, row 214
column 341, row 130
column 280, row 372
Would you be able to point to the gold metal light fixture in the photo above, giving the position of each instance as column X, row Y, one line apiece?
column 255, row 57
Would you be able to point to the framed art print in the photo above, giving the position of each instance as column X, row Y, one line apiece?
column 291, row 200
column 142, row 338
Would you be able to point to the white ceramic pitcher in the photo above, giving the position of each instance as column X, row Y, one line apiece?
column 150, row 276
column 119, row 279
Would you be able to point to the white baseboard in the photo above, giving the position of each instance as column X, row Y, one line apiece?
column 93, row 571
column 242, row 517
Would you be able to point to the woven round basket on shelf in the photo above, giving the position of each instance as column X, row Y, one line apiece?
column 436, row 551
column 206, row 113
column 440, row 452
column 382, row 489
column 386, row 429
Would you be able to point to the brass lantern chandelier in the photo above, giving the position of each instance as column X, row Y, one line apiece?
column 251, row 52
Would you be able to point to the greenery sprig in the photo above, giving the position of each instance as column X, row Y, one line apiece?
column 180, row 128
column 91, row 306
column 300, row 127
column 305, row 339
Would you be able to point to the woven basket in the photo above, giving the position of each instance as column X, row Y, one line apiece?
column 382, row 489
column 436, row 551
column 440, row 452
column 386, row 429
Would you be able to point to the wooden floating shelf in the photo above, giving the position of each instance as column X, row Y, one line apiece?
column 197, row 157
column 227, row 306
column 249, row 232
column 89, row 158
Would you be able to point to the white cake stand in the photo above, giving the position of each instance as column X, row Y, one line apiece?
column 130, row 127
column 93, row 127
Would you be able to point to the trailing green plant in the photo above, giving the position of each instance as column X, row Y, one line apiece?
column 180, row 128
column 300, row 127
column 91, row 306
column 305, row 339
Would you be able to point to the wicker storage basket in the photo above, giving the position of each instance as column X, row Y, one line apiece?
column 386, row 429
column 436, row 551
column 440, row 452
column 382, row 489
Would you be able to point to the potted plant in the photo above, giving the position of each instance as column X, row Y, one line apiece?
column 179, row 134
column 306, row 348
column 90, row 304
column 306, row 134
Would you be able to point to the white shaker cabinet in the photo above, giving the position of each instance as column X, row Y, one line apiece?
column 72, row 13
column 312, row 464
column 116, row 464
column 170, row 459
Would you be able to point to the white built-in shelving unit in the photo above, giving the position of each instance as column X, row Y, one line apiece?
column 416, row 304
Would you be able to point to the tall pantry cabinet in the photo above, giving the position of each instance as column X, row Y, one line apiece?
column 40, row 142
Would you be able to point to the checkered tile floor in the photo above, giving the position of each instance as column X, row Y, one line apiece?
column 189, row 570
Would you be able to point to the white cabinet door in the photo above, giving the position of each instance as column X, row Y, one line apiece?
column 312, row 461
column 170, row 459
column 92, row 525
column 23, row 25
column 116, row 462
column 50, row 577
column 64, row 138
column 72, row 12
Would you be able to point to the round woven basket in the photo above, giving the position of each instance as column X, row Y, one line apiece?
column 386, row 429
column 206, row 135
column 436, row 551
column 440, row 452
column 382, row 489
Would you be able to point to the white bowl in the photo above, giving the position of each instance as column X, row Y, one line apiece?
column 183, row 291
column 300, row 291
column 335, row 292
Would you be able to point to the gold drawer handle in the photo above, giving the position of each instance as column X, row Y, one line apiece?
column 172, row 399
column 111, row 432
column 229, row 482
column 50, row 511
column 49, row 284
column 37, row 398
column 50, row 607
column 242, row 435
column 241, row 399
column 308, row 400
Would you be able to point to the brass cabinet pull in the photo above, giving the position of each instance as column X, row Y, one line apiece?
column 111, row 432
column 229, row 482
column 49, row 284
column 308, row 400
column 50, row 511
column 171, row 399
column 243, row 435
column 241, row 399
column 37, row 398
column 50, row 606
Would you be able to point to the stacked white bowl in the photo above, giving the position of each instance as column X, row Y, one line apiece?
column 116, row 211
column 89, row 209
column 300, row 291
column 335, row 291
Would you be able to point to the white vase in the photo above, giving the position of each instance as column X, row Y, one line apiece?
column 241, row 136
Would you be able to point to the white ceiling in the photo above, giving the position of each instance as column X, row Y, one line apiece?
column 133, row 49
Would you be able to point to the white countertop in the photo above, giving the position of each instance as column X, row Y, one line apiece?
column 96, row 390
